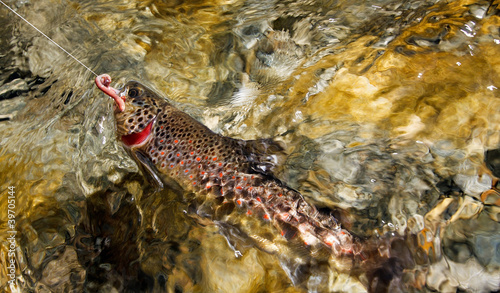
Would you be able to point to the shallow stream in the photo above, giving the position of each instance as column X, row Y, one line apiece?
column 386, row 110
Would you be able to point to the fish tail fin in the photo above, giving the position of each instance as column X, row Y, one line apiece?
column 383, row 260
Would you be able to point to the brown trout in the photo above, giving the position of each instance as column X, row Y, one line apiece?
column 171, row 145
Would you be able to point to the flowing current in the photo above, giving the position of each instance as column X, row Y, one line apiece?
column 387, row 111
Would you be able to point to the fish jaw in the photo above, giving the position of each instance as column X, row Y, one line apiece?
column 103, row 82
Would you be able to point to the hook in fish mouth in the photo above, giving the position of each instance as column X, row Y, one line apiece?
column 103, row 82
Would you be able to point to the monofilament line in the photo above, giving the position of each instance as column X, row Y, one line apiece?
column 49, row 38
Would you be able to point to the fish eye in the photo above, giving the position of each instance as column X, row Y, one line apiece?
column 133, row 93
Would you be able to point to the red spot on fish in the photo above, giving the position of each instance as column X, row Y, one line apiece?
column 238, row 202
column 249, row 212
column 162, row 153
column 282, row 233
column 192, row 153
column 266, row 217
column 233, row 177
column 250, row 188
column 176, row 141
column 202, row 173
column 258, row 199
column 238, row 187
column 190, row 141
column 327, row 242
column 187, row 170
column 190, row 176
column 253, row 177
column 161, row 127
column 194, row 183
column 280, row 195
column 220, row 164
column 215, row 159
column 198, row 159
column 182, row 163
column 163, row 165
column 208, row 186
column 152, row 151
column 171, row 165
column 178, row 154
column 161, row 140
column 245, row 178
column 220, row 174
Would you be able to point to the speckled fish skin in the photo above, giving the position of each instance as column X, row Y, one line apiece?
column 219, row 170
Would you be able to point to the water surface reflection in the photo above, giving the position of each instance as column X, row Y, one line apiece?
column 386, row 109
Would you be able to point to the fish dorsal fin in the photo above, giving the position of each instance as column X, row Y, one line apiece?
column 263, row 154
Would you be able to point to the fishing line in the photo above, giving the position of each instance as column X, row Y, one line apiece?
column 49, row 38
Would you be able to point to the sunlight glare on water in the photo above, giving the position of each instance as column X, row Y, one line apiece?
column 387, row 110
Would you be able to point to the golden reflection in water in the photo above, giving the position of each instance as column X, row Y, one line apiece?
column 416, row 91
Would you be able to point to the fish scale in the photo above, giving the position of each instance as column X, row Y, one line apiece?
column 219, row 170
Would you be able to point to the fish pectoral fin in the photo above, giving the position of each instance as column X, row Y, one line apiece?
column 149, row 170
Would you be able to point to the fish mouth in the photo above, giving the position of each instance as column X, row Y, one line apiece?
column 138, row 138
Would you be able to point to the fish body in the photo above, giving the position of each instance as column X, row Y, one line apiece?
column 221, row 171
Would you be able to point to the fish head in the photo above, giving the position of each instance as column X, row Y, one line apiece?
column 139, row 123
column 142, row 107
column 136, row 110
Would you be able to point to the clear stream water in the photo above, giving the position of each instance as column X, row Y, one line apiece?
column 385, row 108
